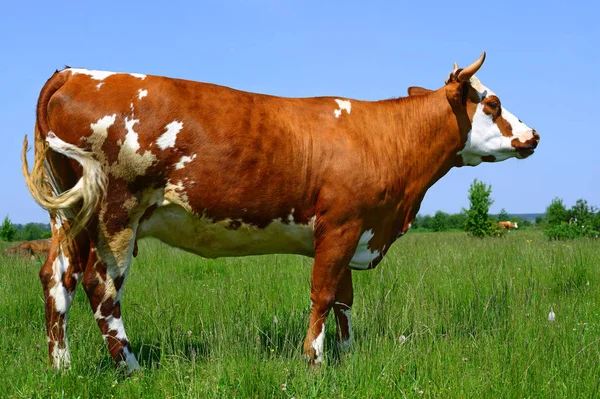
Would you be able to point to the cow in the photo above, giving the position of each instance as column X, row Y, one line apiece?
column 30, row 248
column 508, row 225
column 221, row 172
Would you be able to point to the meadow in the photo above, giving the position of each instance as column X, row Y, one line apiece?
column 444, row 316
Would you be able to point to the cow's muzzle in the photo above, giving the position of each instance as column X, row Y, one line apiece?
column 527, row 148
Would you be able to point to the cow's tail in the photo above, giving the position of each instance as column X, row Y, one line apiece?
column 79, row 202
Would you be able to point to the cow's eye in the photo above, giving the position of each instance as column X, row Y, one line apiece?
column 493, row 104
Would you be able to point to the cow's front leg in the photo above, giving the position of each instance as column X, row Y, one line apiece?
column 332, row 256
column 342, row 306
column 103, row 281
column 59, row 277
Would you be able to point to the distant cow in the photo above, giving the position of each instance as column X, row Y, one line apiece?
column 508, row 225
column 30, row 248
column 221, row 172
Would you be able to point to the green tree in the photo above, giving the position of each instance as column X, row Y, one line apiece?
column 581, row 212
column 457, row 221
column 556, row 212
column 579, row 221
column 439, row 222
column 31, row 231
column 426, row 222
column 539, row 220
column 479, row 223
column 503, row 215
column 524, row 223
column 7, row 231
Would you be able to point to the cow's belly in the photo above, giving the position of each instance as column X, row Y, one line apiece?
column 177, row 227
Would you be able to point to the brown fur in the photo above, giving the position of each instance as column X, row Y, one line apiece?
column 507, row 225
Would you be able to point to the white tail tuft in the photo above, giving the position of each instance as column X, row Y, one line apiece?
column 84, row 196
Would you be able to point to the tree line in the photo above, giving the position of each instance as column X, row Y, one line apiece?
column 558, row 222
column 18, row 232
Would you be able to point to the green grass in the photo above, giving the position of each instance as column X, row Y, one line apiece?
column 474, row 314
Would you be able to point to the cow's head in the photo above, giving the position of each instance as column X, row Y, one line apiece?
column 492, row 133
column 495, row 134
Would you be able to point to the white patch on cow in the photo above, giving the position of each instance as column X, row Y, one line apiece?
column 99, row 85
column 99, row 135
column 344, row 105
column 177, row 193
column 184, row 159
column 363, row 256
column 485, row 137
column 116, row 325
column 96, row 75
column 130, row 360
column 346, row 345
column 61, row 357
column 167, row 139
column 131, row 138
column 130, row 164
column 520, row 130
column 142, row 93
column 175, row 224
column 100, row 128
column 57, row 221
column 100, row 75
column 481, row 90
column 98, row 312
column 62, row 298
column 318, row 345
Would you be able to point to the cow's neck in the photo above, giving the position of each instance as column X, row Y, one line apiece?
column 428, row 136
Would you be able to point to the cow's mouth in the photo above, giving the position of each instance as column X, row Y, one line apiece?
column 524, row 152
column 527, row 148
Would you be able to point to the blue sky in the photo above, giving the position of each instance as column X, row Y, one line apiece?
column 542, row 61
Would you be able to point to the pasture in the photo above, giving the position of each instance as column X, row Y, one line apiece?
column 444, row 315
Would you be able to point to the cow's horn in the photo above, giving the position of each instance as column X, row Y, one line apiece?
column 469, row 71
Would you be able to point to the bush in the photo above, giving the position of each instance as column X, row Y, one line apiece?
column 479, row 223
column 7, row 231
column 503, row 216
column 439, row 222
column 579, row 221
column 31, row 231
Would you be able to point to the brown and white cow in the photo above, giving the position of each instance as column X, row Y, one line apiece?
column 30, row 248
column 508, row 225
column 221, row 172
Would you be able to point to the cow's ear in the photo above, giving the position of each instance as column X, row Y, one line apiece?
column 418, row 91
column 458, row 93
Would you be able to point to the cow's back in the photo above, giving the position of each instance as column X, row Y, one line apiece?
column 218, row 152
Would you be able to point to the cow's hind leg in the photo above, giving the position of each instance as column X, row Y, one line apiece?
column 342, row 306
column 59, row 276
column 103, row 280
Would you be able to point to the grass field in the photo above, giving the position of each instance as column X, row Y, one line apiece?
column 474, row 314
